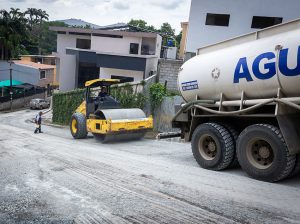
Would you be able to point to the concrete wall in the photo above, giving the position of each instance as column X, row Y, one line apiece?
column 168, row 71
column 158, row 46
column 48, row 80
column 165, row 113
column 241, row 13
column 114, row 45
column 67, row 63
column 20, row 73
column 108, row 72
column 151, row 65
column 25, row 74
column 68, row 41
column 67, row 72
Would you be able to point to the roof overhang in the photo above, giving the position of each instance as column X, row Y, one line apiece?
column 82, row 31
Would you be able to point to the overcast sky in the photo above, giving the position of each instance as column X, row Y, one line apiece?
column 105, row 12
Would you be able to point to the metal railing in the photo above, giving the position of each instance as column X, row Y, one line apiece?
column 21, row 93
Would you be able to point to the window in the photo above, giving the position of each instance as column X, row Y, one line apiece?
column 83, row 44
column 217, row 19
column 134, row 48
column 260, row 22
column 42, row 74
column 123, row 78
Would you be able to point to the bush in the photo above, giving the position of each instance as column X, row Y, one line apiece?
column 65, row 104
column 127, row 97
column 157, row 94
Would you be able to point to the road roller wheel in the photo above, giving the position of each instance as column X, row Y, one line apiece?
column 263, row 154
column 78, row 126
column 296, row 169
column 234, row 134
column 213, row 146
column 118, row 137
column 100, row 137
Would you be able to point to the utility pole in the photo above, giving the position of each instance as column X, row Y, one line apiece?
column 10, row 89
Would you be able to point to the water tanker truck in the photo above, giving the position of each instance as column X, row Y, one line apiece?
column 243, row 103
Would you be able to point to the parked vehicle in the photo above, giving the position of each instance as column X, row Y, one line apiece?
column 39, row 104
column 243, row 103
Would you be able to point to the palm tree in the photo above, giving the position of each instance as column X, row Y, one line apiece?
column 4, row 21
column 43, row 16
column 12, row 31
column 33, row 16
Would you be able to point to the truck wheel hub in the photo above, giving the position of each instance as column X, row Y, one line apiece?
column 264, row 152
column 260, row 153
column 207, row 147
column 212, row 147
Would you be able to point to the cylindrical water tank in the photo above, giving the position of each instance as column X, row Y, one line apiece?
column 256, row 67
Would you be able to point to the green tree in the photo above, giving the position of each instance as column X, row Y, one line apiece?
column 49, row 38
column 36, row 19
column 33, row 16
column 166, row 29
column 26, row 33
column 43, row 16
column 178, row 39
column 141, row 25
column 167, row 33
column 12, row 32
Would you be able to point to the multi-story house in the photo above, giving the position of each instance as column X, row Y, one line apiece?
column 85, row 54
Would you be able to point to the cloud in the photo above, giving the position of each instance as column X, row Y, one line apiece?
column 18, row 1
column 171, row 4
column 104, row 12
column 120, row 5
column 49, row 1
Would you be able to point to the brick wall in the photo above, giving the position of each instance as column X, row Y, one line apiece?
column 168, row 71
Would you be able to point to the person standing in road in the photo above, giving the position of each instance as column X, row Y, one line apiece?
column 38, row 123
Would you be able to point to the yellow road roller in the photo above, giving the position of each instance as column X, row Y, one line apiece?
column 102, row 115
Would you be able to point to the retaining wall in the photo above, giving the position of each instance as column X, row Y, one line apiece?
column 164, row 114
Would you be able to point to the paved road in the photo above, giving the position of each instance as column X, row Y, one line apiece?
column 51, row 178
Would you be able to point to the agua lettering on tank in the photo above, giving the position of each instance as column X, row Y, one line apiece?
column 242, row 70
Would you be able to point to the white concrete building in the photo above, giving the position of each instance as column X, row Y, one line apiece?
column 85, row 54
column 212, row 21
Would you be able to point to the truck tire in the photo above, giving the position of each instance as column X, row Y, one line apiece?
column 212, row 146
column 78, row 126
column 263, row 154
column 234, row 134
column 296, row 169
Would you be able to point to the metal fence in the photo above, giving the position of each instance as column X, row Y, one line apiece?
column 20, row 93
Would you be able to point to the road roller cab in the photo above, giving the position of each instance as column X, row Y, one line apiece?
column 102, row 115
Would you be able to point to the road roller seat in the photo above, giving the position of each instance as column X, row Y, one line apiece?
column 107, row 102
